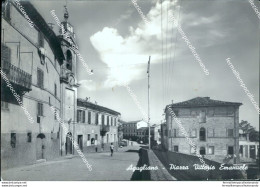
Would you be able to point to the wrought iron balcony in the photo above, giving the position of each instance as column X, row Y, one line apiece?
column 17, row 77
column 104, row 129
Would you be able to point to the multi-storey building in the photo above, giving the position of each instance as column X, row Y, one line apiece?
column 32, row 59
column 212, row 125
column 156, row 134
column 41, row 67
column 97, row 126
column 248, row 150
column 130, row 128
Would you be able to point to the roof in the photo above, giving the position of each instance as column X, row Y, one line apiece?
column 87, row 104
column 142, row 128
column 41, row 24
column 203, row 102
column 131, row 122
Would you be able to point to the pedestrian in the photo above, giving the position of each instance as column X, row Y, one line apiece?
column 112, row 149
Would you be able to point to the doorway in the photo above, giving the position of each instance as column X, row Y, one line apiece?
column 69, row 143
column 80, row 142
column 40, row 146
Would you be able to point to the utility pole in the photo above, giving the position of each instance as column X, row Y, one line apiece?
column 148, row 72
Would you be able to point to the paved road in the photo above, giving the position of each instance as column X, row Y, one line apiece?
column 104, row 167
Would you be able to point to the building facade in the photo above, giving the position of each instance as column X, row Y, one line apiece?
column 248, row 151
column 156, row 134
column 97, row 127
column 32, row 59
column 130, row 128
column 213, row 126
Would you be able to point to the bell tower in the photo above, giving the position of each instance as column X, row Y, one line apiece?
column 68, row 84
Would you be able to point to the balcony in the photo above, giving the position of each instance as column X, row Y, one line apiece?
column 19, row 79
column 104, row 129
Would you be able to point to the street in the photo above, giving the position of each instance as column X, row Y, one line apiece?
column 104, row 167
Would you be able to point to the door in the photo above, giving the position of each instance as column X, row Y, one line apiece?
column 80, row 142
column 40, row 146
column 68, row 143
column 252, row 151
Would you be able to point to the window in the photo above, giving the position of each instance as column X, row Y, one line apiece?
column 96, row 137
column 211, row 150
column 103, row 120
column 40, row 109
column 6, row 10
column 96, row 118
column 202, row 151
column 69, row 60
column 89, row 117
column 55, row 89
column 29, row 137
column 230, row 150
column 115, row 122
column 176, row 148
column 202, row 134
column 84, row 114
column 230, row 132
column 81, row 116
column 40, row 77
column 111, row 121
column 13, row 140
column 88, row 137
column 174, row 132
column 193, row 133
column 202, row 117
column 92, row 141
column 241, row 149
column 108, row 120
column 107, row 138
column 40, row 39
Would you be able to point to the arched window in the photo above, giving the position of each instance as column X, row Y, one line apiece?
column 92, row 141
column 202, row 151
column 202, row 134
column 69, row 60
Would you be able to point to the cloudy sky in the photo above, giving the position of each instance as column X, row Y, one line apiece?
column 116, row 43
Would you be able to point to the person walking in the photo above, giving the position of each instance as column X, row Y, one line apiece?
column 112, row 149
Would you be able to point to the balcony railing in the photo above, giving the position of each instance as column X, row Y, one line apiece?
column 17, row 76
column 104, row 129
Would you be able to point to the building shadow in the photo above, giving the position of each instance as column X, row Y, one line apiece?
column 133, row 151
column 143, row 160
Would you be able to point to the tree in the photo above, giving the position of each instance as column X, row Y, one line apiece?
column 248, row 129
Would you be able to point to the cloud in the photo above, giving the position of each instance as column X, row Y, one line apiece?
column 126, row 57
column 90, row 85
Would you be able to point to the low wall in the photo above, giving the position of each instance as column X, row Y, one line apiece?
column 180, row 159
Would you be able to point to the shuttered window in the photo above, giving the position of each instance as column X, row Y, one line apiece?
column 83, row 117
column 40, row 39
column 202, row 117
column 96, row 118
column 89, row 117
column 40, row 109
column 107, row 120
column 40, row 78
